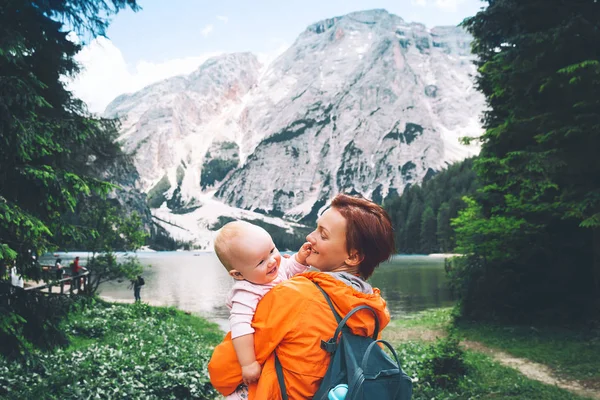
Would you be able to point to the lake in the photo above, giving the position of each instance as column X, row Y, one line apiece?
column 196, row 282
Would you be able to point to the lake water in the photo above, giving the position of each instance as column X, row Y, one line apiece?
column 196, row 282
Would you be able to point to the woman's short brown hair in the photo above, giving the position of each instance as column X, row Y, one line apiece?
column 368, row 231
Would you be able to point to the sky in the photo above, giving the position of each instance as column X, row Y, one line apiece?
column 168, row 38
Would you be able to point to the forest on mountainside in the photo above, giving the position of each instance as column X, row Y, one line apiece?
column 422, row 215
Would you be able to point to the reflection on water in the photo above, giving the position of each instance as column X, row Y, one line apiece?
column 196, row 282
column 413, row 283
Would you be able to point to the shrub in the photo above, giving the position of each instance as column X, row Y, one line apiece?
column 445, row 365
column 30, row 320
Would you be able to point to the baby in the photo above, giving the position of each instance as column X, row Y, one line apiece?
column 247, row 251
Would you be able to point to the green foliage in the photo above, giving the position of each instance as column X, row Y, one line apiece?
column 486, row 237
column 421, row 216
column 50, row 147
column 104, row 227
column 120, row 352
column 532, row 233
column 445, row 365
column 428, row 229
column 105, row 267
column 30, row 320
column 136, row 351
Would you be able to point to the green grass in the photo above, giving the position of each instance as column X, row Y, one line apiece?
column 489, row 380
column 435, row 318
column 122, row 351
column 485, row 378
column 573, row 354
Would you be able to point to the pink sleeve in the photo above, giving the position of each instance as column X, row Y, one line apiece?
column 292, row 267
column 243, row 304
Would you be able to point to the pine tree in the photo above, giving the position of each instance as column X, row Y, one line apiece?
column 49, row 145
column 444, row 231
column 428, row 232
column 532, row 230
column 443, row 194
column 412, row 230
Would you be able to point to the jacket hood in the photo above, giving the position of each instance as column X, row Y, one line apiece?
column 345, row 298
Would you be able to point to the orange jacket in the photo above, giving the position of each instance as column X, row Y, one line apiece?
column 292, row 319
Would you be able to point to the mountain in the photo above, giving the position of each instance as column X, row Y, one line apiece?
column 363, row 103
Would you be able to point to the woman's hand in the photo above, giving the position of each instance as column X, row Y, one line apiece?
column 251, row 373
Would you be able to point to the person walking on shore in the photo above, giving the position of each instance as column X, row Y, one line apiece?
column 137, row 287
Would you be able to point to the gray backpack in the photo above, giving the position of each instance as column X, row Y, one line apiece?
column 359, row 368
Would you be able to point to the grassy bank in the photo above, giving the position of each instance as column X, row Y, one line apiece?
column 119, row 351
column 124, row 351
column 434, row 363
column 572, row 353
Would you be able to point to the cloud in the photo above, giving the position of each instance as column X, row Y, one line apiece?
column 223, row 18
column 448, row 5
column 207, row 30
column 105, row 74
column 414, row 17
column 445, row 5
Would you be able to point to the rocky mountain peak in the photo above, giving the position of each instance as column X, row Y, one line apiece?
column 362, row 103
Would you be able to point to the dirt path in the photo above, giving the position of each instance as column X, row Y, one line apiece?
column 530, row 369
column 533, row 370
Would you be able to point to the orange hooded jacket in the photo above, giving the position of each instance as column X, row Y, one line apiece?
column 292, row 319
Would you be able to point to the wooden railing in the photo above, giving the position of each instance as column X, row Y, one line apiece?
column 71, row 281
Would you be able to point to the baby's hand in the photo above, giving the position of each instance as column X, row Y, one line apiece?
column 251, row 373
column 303, row 253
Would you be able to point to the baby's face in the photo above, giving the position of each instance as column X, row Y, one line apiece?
column 257, row 259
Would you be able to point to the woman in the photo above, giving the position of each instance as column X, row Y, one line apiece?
column 59, row 268
column 352, row 238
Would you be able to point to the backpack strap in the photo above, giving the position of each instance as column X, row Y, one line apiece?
column 331, row 344
column 351, row 313
column 335, row 313
column 364, row 363
column 279, row 371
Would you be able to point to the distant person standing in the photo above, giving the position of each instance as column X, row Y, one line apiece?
column 137, row 287
column 76, row 270
column 59, row 268
column 15, row 279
